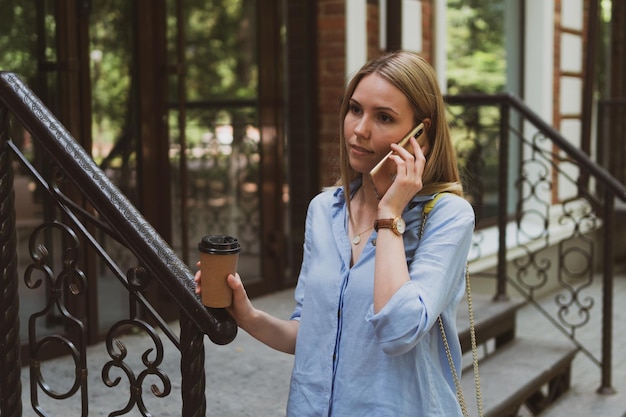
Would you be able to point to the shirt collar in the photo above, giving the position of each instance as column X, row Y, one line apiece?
column 340, row 195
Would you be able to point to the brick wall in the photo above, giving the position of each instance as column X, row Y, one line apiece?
column 331, row 61
column 428, row 43
column 373, row 29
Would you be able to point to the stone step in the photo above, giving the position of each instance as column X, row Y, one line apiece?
column 588, row 402
column 492, row 320
column 522, row 372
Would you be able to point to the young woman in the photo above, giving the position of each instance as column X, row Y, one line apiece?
column 364, row 330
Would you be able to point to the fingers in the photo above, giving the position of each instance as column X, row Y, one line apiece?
column 234, row 281
column 408, row 180
column 239, row 291
column 241, row 309
column 197, row 278
column 409, row 166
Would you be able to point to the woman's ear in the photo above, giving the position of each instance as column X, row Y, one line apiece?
column 427, row 122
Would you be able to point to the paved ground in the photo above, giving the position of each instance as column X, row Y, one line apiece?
column 245, row 378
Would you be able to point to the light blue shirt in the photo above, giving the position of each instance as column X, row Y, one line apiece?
column 352, row 362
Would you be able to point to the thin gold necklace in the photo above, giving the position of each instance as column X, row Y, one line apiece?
column 357, row 238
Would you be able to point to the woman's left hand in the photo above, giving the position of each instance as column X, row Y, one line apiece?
column 408, row 181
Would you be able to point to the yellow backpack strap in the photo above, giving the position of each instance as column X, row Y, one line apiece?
column 427, row 208
column 430, row 204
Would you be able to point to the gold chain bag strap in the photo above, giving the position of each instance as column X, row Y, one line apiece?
column 459, row 392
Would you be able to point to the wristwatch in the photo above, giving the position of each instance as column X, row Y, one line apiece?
column 396, row 225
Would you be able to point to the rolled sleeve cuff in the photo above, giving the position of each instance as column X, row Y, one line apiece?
column 397, row 325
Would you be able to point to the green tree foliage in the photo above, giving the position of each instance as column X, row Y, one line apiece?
column 476, row 55
column 18, row 39
column 219, row 53
column 476, row 64
column 220, row 49
column 111, row 55
column 220, row 58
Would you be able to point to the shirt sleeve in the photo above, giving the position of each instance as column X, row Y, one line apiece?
column 437, row 270
column 304, row 269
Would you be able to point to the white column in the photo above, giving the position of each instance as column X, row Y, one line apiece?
column 538, row 80
column 412, row 25
column 440, row 43
column 356, row 36
column 538, row 57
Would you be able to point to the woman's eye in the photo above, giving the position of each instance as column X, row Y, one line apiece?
column 385, row 118
column 355, row 109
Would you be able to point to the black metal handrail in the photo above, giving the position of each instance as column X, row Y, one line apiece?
column 113, row 206
column 580, row 157
column 116, row 217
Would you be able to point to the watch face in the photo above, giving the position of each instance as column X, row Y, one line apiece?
column 400, row 225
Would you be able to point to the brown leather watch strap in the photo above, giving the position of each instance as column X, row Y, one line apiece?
column 383, row 224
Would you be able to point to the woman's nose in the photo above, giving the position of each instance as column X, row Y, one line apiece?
column 362, row 127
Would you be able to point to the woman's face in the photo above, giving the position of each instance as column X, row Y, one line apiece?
column 379, row 114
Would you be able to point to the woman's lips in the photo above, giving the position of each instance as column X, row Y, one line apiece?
column 357, row 150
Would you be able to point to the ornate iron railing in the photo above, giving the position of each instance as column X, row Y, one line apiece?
column 56, row 248
column 545, row 195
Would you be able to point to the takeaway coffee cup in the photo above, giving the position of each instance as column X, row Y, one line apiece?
column 218, row 258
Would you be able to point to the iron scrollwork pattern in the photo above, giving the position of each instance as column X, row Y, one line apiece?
column 61, row 287
column 543, row 173
column 574, row 308
column 150, row 359
column 532, row 220
column 546, row 214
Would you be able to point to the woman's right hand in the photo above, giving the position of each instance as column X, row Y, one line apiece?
column 198, row 279
column 275, row 333
column 241, row 308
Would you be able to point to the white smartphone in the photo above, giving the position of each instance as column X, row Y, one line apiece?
column 383, row 174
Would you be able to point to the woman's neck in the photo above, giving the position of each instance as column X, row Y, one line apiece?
column 368, row 195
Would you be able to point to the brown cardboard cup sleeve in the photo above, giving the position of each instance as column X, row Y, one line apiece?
column 219, row 255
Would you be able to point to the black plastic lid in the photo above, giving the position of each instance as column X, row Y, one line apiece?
column 219, row 245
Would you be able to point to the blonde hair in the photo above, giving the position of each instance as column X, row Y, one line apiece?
column 416, row 78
